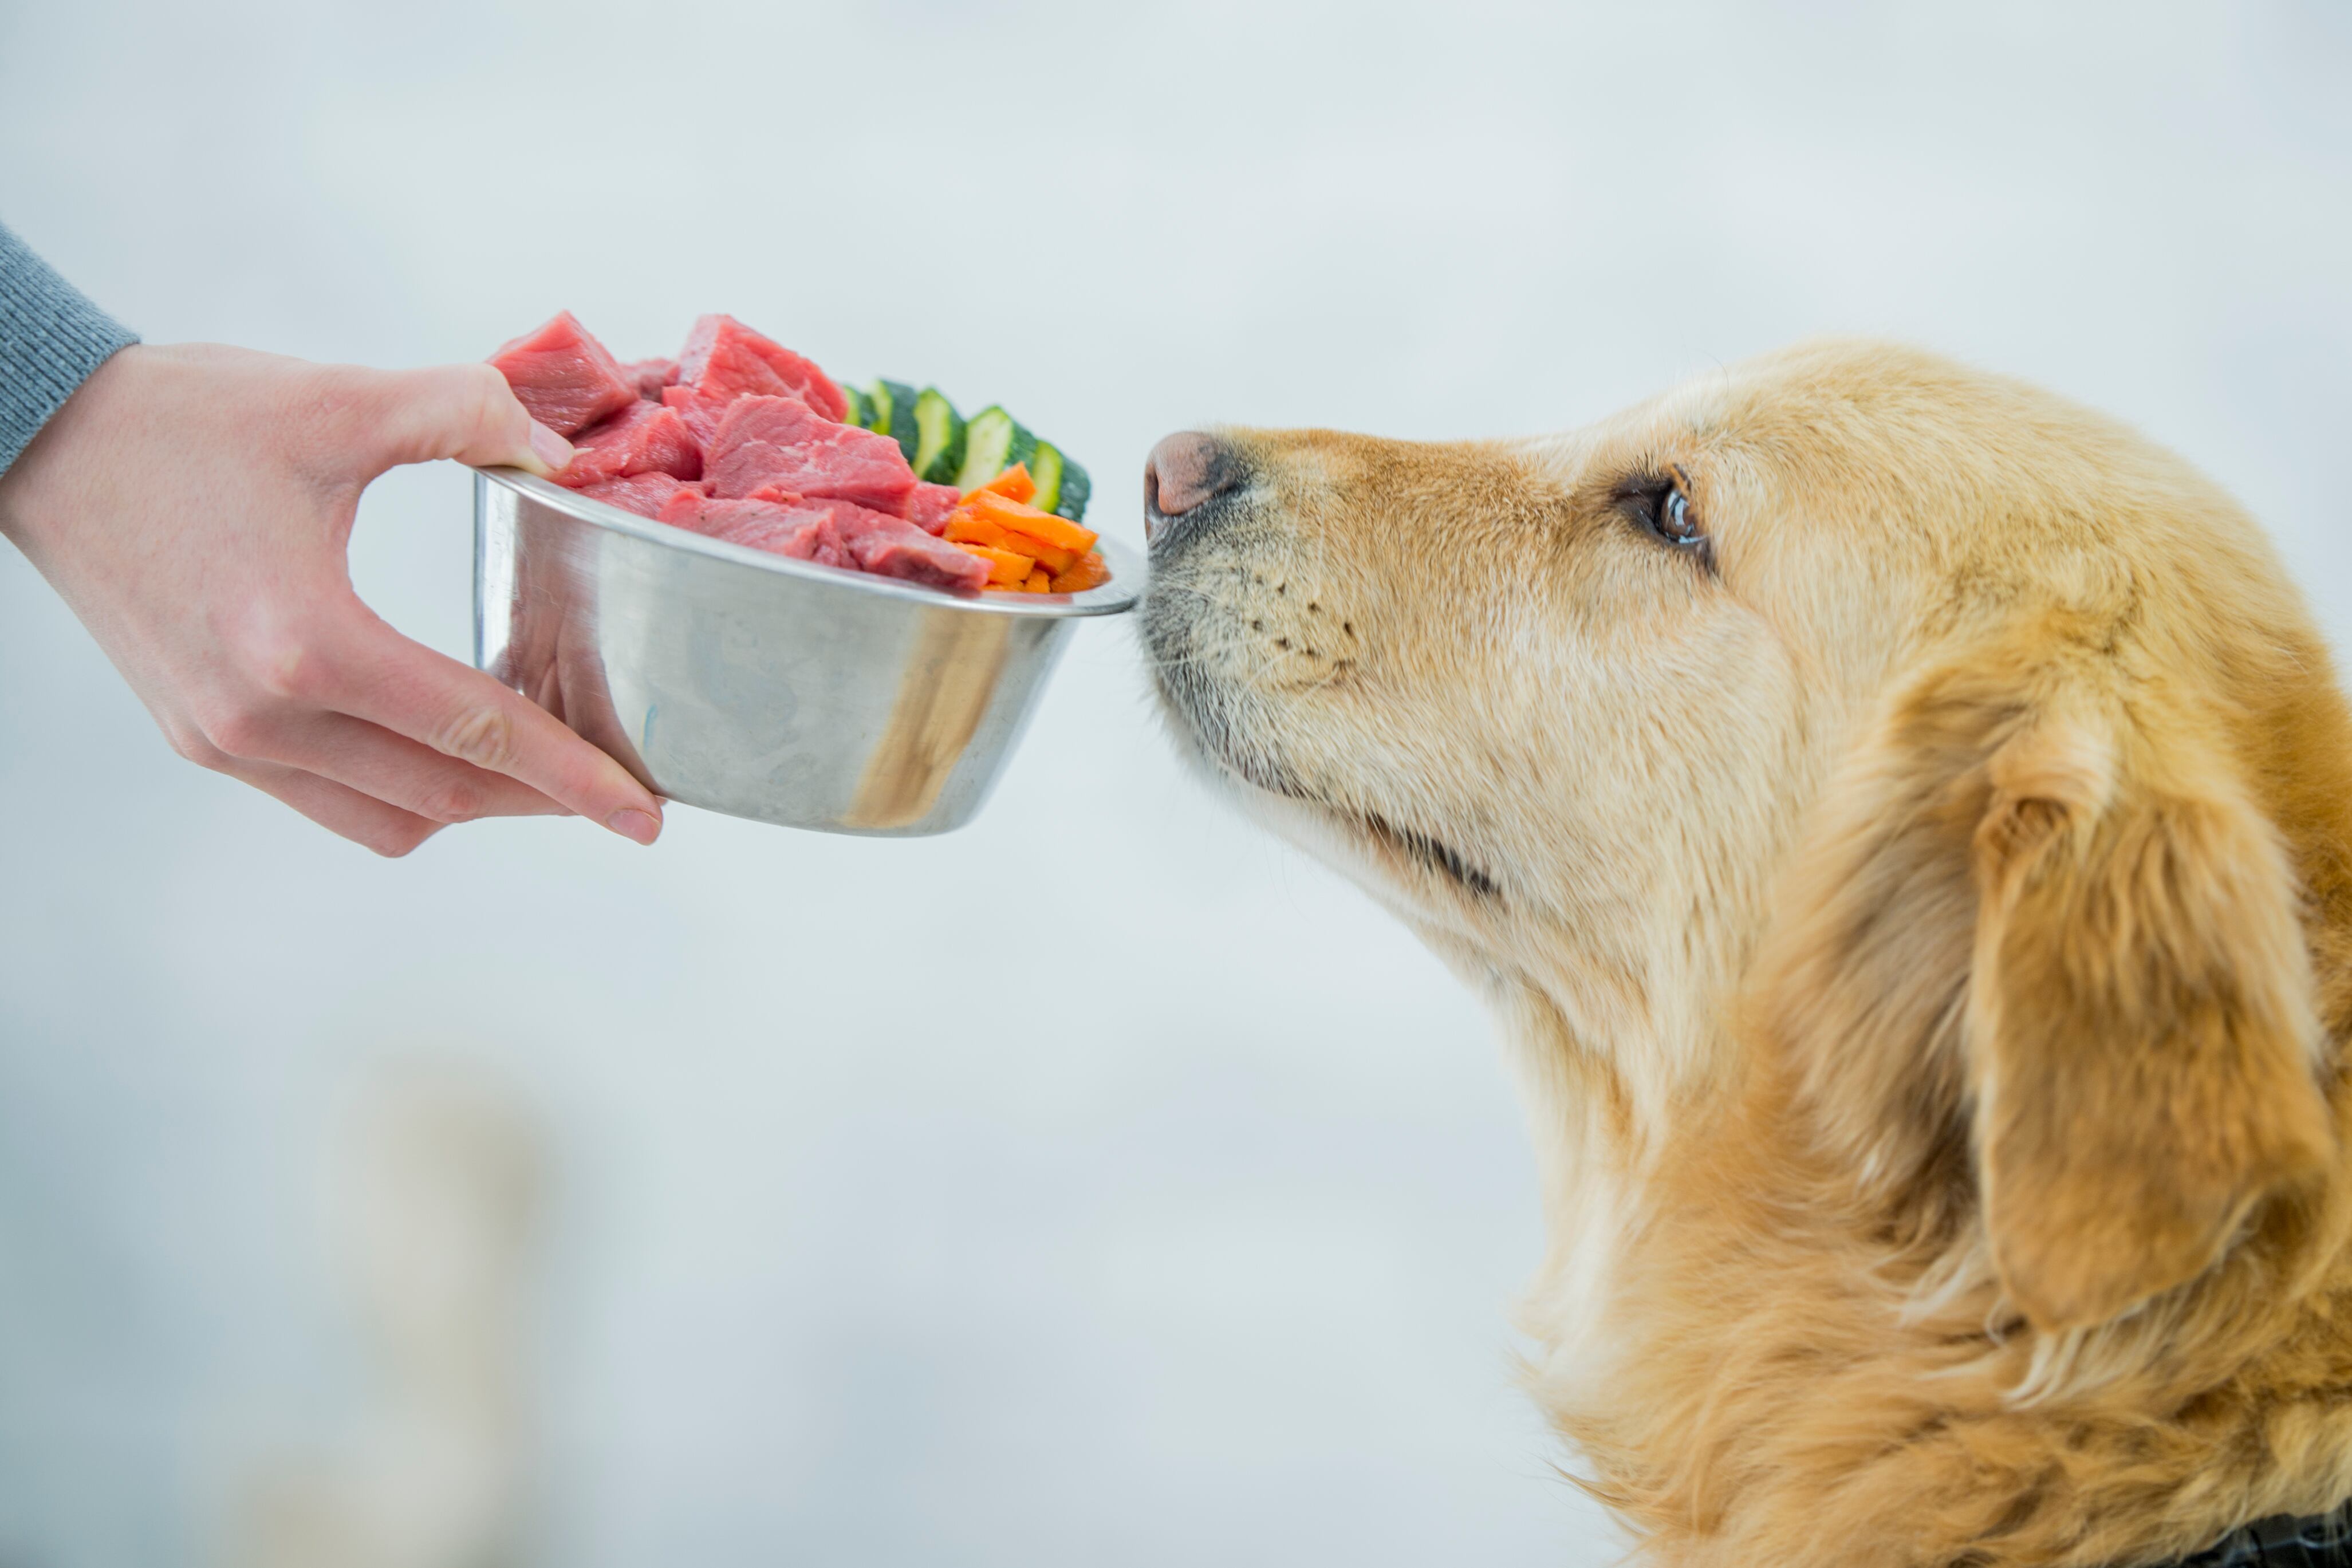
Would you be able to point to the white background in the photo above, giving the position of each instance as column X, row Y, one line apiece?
column 1104, row 1183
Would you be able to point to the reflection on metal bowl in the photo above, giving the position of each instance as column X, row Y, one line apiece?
column 757, row 686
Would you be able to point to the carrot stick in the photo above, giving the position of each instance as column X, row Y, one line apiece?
column 1003, row 565
column 1089, row 572
column 1028, row 519
column 1013, row 484
column 963, row 528
column 1052, row 557
column 1041, row 581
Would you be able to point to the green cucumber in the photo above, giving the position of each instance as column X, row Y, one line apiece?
column 1075, row 489
column 938, row 446
column 992, row 442
column 1045, row 470
column 861, row 413
column 894, row 413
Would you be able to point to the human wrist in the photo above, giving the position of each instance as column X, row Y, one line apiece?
column 41, row 490
column 52, row 339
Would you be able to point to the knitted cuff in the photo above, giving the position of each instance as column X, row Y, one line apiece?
column 50, row 339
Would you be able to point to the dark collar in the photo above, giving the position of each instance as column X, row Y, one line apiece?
column 2315, row 1541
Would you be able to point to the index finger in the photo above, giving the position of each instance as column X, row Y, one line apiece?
column 384, row 678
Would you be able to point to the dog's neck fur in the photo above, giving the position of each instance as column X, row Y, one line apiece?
column 1932, row 1427
column 1763, row 1347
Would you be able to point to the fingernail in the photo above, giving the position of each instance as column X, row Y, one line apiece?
column 555, row 451
column 630, row 822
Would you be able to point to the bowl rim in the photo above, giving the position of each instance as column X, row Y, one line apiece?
column 1114, row 597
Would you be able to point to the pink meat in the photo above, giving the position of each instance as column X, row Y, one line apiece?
column 781, row 441
column 567, row 379
column 643, row 438
column 703, row 401
column 684, row 508
column 831, row 534
column 650, row 375
column 727, row 360
column 644, row 494
column 701, row 408
column 892, row 547
column 807, row 533
column 928, row 506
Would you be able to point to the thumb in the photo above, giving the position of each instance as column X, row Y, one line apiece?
column 462, row 411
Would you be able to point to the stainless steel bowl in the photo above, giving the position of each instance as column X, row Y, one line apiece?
column 762, row 687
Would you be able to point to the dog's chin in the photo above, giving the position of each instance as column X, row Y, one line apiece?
column 1418, row 876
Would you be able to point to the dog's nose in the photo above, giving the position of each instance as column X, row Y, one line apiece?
column 1186, row 470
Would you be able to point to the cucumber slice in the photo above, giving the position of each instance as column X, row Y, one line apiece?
column 1046, row 468
column 992, row 442
column 894, row 413
column 1075, row 489
column 861, row 413
column 938, row 446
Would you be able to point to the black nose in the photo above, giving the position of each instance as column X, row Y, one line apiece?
column 1187, row 469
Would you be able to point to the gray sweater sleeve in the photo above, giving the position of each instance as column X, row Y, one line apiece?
column 50, row 339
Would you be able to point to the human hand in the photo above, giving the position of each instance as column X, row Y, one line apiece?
column 193, row 505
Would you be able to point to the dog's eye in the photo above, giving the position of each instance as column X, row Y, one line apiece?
column 1675, row 525
column 1659, row 505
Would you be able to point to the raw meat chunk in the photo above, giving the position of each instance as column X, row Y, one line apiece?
column 732, row 519
column 729, row 359
column 789, row 421
column 644, row 494
column 803, row 533
column 684, row 508
column 831, row 534
column 730, row 376
column 566, row 378
column 892, row 547
column 650, row 375
column 781, row 441
column 701, row 410
column 928, row 506
column 643, row 438
column 807, row 533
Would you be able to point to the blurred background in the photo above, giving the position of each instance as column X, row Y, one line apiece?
column 543, row 1199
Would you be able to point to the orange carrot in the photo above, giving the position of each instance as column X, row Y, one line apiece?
column 1041, row 581
column 1013, row 484
column 966, row 526
column 1089, row 572
column 1003, row 565
column 1028, row 519
column 1052, row 557
column 963, row 528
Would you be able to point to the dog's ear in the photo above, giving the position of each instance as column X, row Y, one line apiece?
column 2056, row 906
column 2142, row 1026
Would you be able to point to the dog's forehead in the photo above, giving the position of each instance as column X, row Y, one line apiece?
column 1810, row 399
column 1683, row 425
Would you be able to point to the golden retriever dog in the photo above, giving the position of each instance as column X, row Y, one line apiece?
column 1902, row 821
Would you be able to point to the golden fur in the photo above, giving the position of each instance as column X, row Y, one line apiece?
column 1924, row 937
